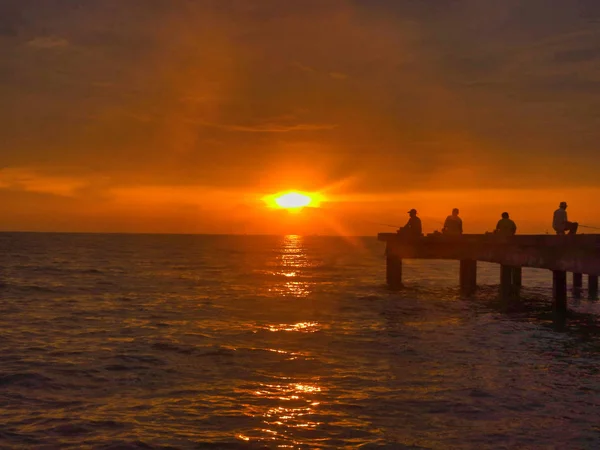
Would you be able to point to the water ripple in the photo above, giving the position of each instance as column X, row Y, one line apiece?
column 156, row 342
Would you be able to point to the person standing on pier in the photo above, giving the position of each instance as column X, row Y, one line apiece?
column 413, row 227
column 453, row 223
column 560, row 222
column 505, row 226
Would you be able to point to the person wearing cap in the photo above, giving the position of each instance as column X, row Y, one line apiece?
column 453, row 223
column 560, row 222
column 505, row 226
column 413, row 227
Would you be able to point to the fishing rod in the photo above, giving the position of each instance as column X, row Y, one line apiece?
column 590, row 227
column 382, row 224
column 429, row 219
column 398, row 226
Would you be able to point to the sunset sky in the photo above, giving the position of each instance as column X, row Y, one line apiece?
column 181, row 115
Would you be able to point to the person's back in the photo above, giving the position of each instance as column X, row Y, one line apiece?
column 560, row 223
column 413, row 227
column 559, row 220
column 453, row 223
column 505, row 226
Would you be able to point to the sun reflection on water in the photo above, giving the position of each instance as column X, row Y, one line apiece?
column 288, row 408
column 291, row 259
column 304, row 327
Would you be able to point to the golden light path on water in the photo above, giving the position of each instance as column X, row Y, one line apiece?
column 288, row 404
column 296, row 403
column 292, row 259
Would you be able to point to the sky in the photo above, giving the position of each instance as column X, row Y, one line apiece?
column 179, row 116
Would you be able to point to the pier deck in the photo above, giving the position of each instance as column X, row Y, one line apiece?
column 579, row 254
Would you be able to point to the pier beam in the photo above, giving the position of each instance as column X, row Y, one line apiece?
column 393, row 273
column 559, row 291
column 468, row 275
column 593, row 286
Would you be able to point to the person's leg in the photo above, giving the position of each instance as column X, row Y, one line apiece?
column 571, row 227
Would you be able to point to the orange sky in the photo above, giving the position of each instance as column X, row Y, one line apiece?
column 179, row 116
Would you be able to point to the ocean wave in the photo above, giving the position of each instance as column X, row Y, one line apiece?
column 163, row 342
column 27, row 380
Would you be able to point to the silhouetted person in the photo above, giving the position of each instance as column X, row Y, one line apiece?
column 453, row 223
column 560, row 222
column 505, row 226
column 413, row 227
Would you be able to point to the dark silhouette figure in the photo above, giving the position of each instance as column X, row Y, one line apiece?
column 560, row 222
column 453, row 223
column 413, row 227
column 505, row 226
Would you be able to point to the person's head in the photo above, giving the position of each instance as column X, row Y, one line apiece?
column 505, row 215
column 412, row 212
column 455, row 212
column 563, row 205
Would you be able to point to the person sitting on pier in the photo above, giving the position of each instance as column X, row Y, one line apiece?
column 560, row 222
column 413, row 227
column 505, row 226
column 453, row 224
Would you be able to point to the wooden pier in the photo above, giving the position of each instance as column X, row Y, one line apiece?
column 579, row 254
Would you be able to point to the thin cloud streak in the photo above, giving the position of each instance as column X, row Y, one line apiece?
column 48, row 43
column 268, row 127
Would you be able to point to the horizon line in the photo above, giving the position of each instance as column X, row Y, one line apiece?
column 157, row 233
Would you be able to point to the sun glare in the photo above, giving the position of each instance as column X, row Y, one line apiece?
column 293, row 200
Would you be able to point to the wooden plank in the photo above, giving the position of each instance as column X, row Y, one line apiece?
column 523, row 239
column 572, row 253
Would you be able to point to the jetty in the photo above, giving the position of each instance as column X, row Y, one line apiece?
column 577, row 253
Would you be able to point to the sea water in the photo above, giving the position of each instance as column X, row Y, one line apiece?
column 181, row 341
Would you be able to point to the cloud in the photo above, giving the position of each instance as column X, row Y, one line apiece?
column 310, row 70
column 271, row 127
column 48, row 42
column 38, row 181
column 303, row 67
column 338, row 76
column 407, row 95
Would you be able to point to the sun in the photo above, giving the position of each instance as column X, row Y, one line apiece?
column 293, row 200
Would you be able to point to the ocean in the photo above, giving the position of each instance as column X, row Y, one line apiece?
column 240, row 342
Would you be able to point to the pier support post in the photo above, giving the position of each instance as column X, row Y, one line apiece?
column 393, row 268
column 517, row 276
column 593, row 286
column 577, row 284
column 506, row 284
column 511, row 278
column 468, row 275
column 559, row 291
